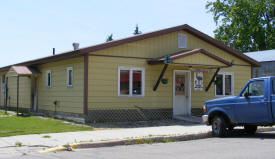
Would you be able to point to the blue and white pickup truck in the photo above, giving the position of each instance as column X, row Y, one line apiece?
column 253, row 106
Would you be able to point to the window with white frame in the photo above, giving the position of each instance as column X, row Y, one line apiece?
column 182, row 40
column 48, row 78
column 70, row 76
column 131, row 81
column 224, row 84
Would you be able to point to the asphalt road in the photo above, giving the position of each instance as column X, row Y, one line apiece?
column 239, row 145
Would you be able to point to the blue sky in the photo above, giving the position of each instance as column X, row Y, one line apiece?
column 31, row 28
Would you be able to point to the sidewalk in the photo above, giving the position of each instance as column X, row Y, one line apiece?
column 35, row 143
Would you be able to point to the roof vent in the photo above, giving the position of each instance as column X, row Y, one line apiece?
column 76, row 46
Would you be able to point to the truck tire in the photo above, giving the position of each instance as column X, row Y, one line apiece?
column 250, row 129
column 218, row 127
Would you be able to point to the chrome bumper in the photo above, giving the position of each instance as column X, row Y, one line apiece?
column 205, row 119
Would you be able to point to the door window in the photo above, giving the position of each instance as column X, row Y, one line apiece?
column 255, row 88
column 180, row 85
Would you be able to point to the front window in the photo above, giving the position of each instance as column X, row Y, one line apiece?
column 131, row 81
column 224, row 84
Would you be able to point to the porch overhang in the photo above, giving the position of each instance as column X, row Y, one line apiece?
column 197, row 58
column 24, row 70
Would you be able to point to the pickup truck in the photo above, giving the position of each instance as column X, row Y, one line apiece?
column 253, row 106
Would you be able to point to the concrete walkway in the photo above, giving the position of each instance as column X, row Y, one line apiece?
column 34, row 143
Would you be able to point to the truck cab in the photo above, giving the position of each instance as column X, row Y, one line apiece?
column 253, row 106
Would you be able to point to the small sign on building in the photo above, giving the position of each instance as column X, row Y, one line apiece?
column 198, row 81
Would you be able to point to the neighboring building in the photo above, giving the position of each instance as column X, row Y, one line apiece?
column 149, row 76
column 267, row 60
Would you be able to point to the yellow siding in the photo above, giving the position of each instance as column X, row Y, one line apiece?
column 199, row 58
column 241, row 76
column 68, row 99
column 166, row 44
column 103, row 72
column 103, row 85
column 24, row 90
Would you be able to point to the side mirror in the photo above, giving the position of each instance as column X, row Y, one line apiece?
column 246, row 95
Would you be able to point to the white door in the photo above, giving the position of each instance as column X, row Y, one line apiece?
column 181, row 93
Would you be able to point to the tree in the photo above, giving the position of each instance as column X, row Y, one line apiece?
column 246, row 25
column 136, row 32
column 109, row 38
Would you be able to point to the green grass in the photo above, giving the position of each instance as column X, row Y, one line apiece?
column 16, row 125
column 3, row 113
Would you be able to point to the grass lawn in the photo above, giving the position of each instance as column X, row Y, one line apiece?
column 16, row 125
column 2, row 113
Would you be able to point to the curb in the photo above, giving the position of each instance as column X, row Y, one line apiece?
column 128, row 142
column 144, row 140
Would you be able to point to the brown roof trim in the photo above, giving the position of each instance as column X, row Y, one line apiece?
column 47, row 59
column 113, row 43
column 221, row 45
column 188, row 53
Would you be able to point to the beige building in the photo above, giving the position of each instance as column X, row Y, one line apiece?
column 156, row 75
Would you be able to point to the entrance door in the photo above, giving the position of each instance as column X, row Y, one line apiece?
column 181, row 93
column 34, row 96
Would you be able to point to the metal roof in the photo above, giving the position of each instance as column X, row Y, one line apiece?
column 262, row 56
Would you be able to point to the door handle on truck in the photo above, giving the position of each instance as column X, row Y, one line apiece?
column 263, row 99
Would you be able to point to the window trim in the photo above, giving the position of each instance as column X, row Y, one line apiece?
column 48, row 72
column 131, row 69
column 67, row 81
column 223, row 78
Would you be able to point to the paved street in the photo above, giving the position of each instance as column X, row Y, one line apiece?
column 238, row 146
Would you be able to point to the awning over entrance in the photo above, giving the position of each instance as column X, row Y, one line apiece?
column 24, row 70
column 192, row 58
column 197, row 58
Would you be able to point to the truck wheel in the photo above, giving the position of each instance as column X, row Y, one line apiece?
column 218, row 127
column 250, row 129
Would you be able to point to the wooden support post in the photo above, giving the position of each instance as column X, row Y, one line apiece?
column 160, row 77
column 86, row 80
column 6, row 94
column 17, row 100
column 212, row 80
